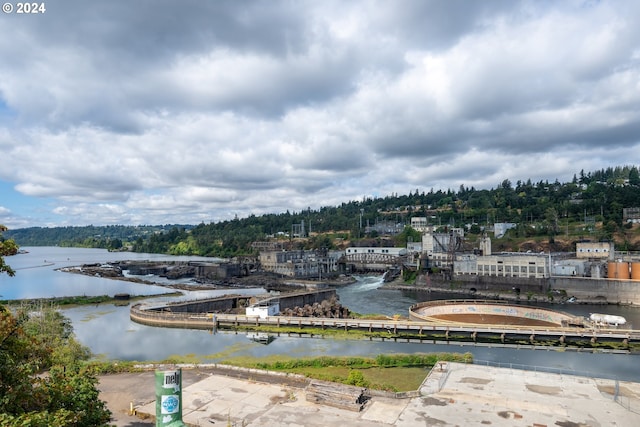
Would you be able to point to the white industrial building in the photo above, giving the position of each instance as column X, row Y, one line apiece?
column 263, row 310
column 419, row 223
column 376, row 250
column 595, row 250
column 504, row 265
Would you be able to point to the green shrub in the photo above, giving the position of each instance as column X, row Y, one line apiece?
column 356, row 378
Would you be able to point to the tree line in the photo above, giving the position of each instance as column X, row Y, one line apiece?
column 540, row 208
column 112, row 237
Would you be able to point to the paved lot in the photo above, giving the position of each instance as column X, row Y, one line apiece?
column 476, row 395
column 456, row 395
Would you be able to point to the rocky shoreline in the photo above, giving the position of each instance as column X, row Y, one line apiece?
column 270, row 282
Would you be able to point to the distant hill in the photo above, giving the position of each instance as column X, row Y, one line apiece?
column 107, row 237
column 590, row 206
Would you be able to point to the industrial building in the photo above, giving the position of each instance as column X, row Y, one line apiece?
column 439, row 248
column 631, row 215
column 523, row 265
column 595, row 249
column 420, row 223
column 376, row 250
column 301, row 264
column 596, row 260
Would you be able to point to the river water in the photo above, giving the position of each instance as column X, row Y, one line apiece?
column 108, row 331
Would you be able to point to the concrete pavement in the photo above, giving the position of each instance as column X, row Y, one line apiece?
column 480, row 395
column 452, row 395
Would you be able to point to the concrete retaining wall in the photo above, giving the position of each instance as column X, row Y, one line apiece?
column 583, row 288
column 302, row 299
column 605, row 290
column 229, row 302
column 225, row 303
column 500, row 284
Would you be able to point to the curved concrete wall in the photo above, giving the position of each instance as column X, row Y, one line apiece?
column 426, row 311
column 198, row 314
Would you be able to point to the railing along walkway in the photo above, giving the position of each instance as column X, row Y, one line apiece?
column 213, row 320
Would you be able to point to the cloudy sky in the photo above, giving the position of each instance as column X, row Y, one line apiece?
column 174, row 111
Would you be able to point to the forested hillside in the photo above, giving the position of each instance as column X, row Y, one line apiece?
column 590, row 206
column 107, row 237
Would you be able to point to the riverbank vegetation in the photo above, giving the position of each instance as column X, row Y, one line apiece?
column 43, row 379
column 111, row 237
column 549, row 216
column 389, row 372
column 71, row 301
column 8, row 247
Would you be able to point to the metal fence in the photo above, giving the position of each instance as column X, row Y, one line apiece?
column 632, row 405
column 542, row 369
column 443, row 378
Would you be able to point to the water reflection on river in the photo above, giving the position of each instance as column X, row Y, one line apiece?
column 109, row 332
column 37, row 275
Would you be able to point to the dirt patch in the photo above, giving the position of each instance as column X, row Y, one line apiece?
column 472, row 380
column 432, row 401
column 119, row 391
column 570, row 424
column 543, row 389
column 432, row 421
column 492, row 319
column 622, row 391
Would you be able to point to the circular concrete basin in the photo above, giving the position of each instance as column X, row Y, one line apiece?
column 487, row 313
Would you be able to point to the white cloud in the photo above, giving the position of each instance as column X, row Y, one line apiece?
column 195, row 114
